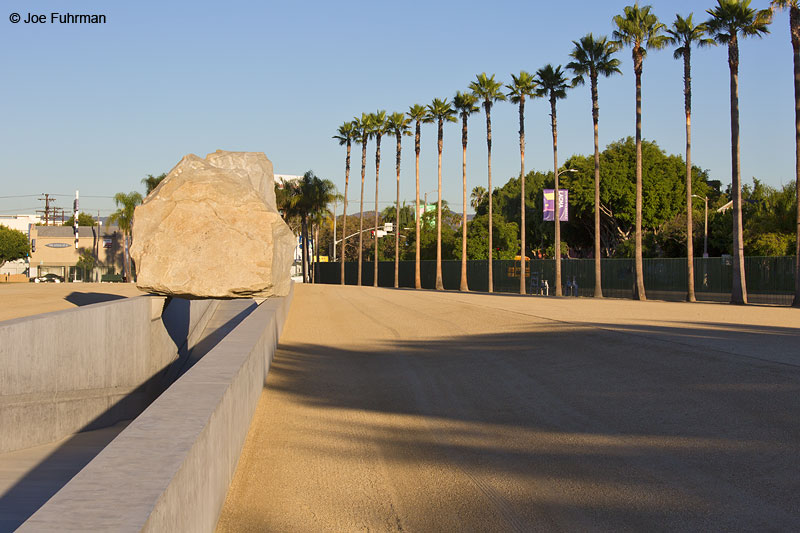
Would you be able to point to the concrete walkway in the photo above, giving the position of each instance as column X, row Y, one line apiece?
column 401, row 410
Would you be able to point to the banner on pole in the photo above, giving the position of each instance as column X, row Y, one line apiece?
column 550, row 204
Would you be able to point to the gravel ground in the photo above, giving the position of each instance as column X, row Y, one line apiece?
column 402, row 410
column 25, row 299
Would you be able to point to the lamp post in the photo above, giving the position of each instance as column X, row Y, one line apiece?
column 705, row 237
column 557, row 223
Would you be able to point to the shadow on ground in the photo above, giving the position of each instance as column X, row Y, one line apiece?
column 86, row 298
column 637, row 429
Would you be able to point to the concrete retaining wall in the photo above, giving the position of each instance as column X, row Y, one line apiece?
column 89, row 367
column 170, row 469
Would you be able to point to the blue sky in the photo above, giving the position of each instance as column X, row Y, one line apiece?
column 98, row 107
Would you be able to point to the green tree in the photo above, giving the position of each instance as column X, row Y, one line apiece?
column 684, row 33
column 419, row 114
column 440, row 111
column 464, row 104
column 123, row 217
column 729, row 19
column 346, row 134
column 151, row 182
column 553, row 85
column 398, row 125
column 794, row 30
column 86, row 260
column 521, row 87
column 640, row 29
column 488, row 91
column 84, row 219
column 594, row 57
column 13, row 245
column 378, row 120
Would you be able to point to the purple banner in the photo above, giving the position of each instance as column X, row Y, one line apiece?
column 550, row 204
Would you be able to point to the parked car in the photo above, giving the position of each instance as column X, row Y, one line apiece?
column 48, row 278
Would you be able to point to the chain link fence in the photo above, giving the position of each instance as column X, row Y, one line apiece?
column 770, row 280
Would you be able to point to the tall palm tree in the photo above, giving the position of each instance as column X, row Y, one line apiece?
column 684, row 33
column 346, row 134
column 378, row 129
column 308, row 198
column 419, row 114
column 521, row 86
column 640, row 29
column 440, row 111
column 729, row 19
column 363, row 128
column 553, row 85
column 489, row 91
column 594, row 57
column 123, row 217
column 398, row 125
column 794, row 30
column 464, row 103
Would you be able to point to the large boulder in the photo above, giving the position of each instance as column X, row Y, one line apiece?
column 211, row 229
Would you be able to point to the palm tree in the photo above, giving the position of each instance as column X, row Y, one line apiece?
column 440, row 111
column 346, row 134
column 363, row 129
column 477, row 196
column 521, row 86
column 123, row 217
column 151, row 182
column 684, row 34
column 594, row 57
column 464, row 103
column 794, row 30
column 378, row 129
column 419, row 114
column 308, row 198
column 397, row 124
column 729, row 19
column 638, row 28
column 489, row 91
column 553, row 85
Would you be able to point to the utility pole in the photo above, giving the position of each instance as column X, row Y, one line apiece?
column 46, row 208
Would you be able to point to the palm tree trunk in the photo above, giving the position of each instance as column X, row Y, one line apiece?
column 739, row 289
column 687, row 80
column 556, row 214
column 794, row 23
column 377, row 173
column 522, row 225
column 464, row 286
column 489, row 192
column 361, row 210
column 344, row 214
column 439, row 284
column 639, row 293
column 417, row 276
column 304, row 239
column 598, row 274
column 397, row 218
column 315, row 272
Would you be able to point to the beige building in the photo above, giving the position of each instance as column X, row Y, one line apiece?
column 53, row 251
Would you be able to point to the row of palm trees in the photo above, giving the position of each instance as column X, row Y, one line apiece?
column 592, row 57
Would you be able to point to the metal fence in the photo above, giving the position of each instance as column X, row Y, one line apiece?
column 770, row 280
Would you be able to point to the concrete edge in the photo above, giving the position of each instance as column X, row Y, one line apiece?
column 170, row 469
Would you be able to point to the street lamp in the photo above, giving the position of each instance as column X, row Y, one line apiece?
column 705, row 238
column 557, row 224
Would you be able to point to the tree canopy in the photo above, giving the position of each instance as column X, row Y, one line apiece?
column 13, row 244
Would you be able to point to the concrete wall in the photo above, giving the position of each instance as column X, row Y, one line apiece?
column 170, row 469
column 89, row 367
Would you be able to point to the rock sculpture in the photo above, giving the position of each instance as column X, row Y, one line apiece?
column 211, row 229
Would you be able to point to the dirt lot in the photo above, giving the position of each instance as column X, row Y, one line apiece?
column 24, row 299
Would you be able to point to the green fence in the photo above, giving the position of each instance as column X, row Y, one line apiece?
column 769, row 279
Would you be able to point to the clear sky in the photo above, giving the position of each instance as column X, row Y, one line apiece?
column 98, row 107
